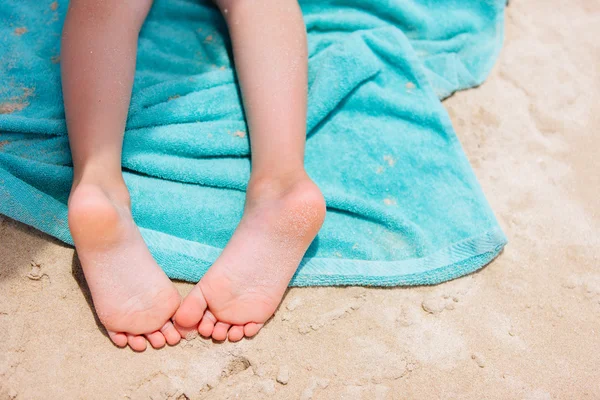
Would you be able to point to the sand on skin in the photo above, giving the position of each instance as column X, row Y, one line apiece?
column 524, row 327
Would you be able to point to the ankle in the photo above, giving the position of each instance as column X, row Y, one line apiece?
column 298, row 192
column 273, row 185
column 112, row 186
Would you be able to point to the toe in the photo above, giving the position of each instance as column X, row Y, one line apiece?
column 156, row 339
column 186, row 333
column 192, row 309
column 171, row 335
column 120, row 339
column 207, row 324
column 220, row 331
column 236, row 333
column 251, row 329
column 136, row 342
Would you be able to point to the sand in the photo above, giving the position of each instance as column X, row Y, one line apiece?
column 525, row 327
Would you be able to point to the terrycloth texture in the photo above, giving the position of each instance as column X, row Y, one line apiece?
column 404, row 207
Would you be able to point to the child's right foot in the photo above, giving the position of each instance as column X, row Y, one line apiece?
column 245, row 285
column 132, row 295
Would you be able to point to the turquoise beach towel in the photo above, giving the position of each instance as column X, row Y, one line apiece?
column 404, row 207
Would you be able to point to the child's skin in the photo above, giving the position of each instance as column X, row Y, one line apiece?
column 284, row 209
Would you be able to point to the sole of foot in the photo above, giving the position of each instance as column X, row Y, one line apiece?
column 245, row 285
column 133, row 297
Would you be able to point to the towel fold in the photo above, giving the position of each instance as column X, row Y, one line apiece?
column 404, row 207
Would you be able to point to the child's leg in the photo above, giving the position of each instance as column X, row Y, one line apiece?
column 131, row 294
column 284, row 208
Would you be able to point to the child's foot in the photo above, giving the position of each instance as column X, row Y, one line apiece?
column 132, row 295
column 247, row 282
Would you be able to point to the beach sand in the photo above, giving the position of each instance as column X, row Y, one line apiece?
column 525, row 327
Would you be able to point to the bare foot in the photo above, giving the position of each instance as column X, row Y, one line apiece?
column 132, row 295
column 242, row 289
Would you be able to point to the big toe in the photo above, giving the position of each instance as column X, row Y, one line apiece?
column 191, row 310
column 187, row 333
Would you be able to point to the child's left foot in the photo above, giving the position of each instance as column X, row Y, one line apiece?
column 243, row 288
